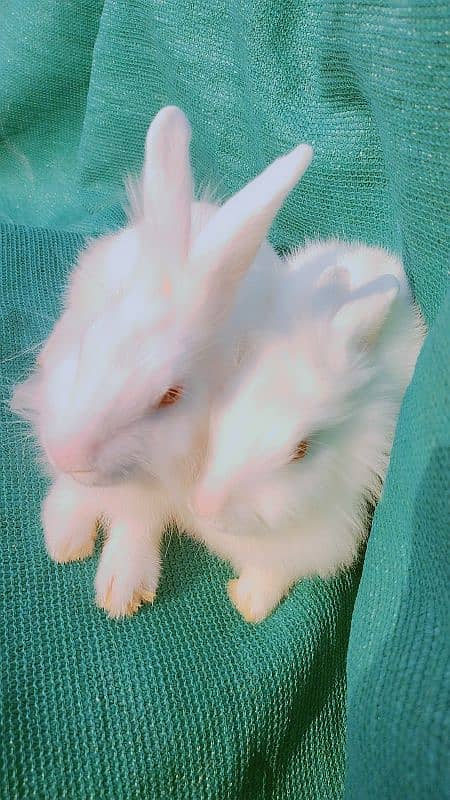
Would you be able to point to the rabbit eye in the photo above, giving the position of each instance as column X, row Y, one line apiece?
column 171, row 396
column 300, row 450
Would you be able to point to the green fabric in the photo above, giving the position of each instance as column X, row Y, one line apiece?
column 186, row 700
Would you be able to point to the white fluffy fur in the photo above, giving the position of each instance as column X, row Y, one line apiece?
column 267, row 353
column 338, row 353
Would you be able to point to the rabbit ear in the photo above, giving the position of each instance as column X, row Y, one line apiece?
column 228, row 244
column 167, row 187
column 360, row 319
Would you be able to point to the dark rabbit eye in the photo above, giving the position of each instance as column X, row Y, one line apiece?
column 300, row 450
column 171, row 396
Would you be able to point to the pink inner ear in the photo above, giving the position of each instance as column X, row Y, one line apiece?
column 166, row 287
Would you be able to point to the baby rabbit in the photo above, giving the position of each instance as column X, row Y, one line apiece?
column 120, row 396
column 301, row 440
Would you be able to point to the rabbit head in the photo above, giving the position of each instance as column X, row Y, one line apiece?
column 305, row 380
column 122, row 383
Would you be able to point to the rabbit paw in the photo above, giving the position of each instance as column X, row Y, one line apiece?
column 256, row 593
column 114, row 597
column 69, row 522
column 128, row 573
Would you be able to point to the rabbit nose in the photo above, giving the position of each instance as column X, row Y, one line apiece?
column 72, row 456
column 208, row 501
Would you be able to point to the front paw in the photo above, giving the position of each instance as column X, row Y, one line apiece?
column 117, row 599
column 69, row 522
column 256, row 593
column 128, row 573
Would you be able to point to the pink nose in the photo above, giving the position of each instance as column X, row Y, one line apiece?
column 71, row 456
column 208, row 501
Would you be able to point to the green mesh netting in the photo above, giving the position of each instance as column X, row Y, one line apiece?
column 186, row 700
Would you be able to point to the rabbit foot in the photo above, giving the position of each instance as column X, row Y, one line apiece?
column 62, row 551
column 69, row 523
column 128, row 572
column 255, row 594
column 116, row 605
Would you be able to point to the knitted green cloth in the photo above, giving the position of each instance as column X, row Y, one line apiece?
column 186, row 700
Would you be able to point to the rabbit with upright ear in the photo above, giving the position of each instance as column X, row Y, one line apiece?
column 301, row 440
column 120, row 396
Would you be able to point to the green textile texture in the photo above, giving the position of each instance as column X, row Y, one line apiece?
column 328, row 698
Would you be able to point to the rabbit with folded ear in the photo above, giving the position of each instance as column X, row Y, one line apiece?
column 120, row 396
column 301, row 440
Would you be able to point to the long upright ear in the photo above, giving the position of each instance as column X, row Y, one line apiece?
column 227, row 245
column 360, row 319
column 167, row 187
